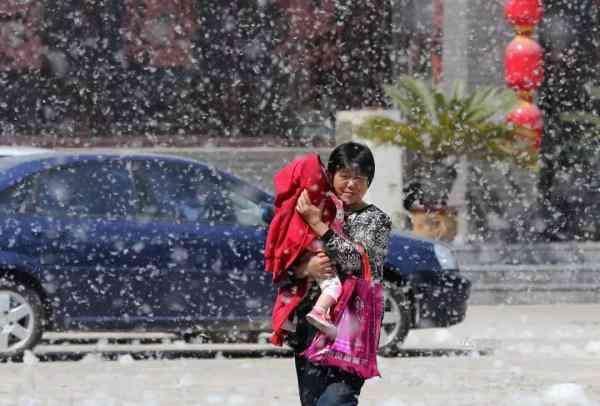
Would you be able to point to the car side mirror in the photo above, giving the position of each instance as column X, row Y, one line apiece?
column 267, row 212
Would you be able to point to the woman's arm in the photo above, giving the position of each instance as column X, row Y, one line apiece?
column 372, row 232
column 315, row 266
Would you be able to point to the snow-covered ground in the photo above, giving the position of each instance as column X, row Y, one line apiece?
column 501, row 355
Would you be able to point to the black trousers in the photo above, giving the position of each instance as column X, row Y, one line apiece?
column 326, row 386
column 319, row 385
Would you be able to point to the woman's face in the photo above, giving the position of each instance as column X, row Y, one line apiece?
column 350, row 186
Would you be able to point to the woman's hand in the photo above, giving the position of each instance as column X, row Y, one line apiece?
column 312, row 215
column 318, row 266
column 309, row 212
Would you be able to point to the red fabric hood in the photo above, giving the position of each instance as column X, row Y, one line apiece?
column 288, row 234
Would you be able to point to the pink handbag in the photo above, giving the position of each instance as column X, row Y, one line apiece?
column 357, row 315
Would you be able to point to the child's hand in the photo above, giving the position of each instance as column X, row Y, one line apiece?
column 311, row 214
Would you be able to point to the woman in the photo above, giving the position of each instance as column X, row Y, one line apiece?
column 351, row 168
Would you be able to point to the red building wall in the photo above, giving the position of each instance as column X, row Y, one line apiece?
column 159, row 32
column 21, row 46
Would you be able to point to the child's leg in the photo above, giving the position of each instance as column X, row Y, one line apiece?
column 331, row 289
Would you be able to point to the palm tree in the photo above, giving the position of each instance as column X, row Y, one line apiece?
column 439, row 130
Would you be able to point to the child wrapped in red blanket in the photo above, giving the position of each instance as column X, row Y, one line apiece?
column 289, row 238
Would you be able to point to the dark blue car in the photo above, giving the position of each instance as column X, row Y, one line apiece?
column 159, row 243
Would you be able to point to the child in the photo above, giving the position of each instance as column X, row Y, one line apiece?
column 289, row 238
column 331, row 288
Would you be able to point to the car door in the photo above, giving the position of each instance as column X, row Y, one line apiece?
column 165, row 198
column 211, row 262
column 247, row 290
column 81, row 225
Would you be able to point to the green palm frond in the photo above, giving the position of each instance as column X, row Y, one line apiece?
column 437, row 126
column 391, row 131
column 458, row 91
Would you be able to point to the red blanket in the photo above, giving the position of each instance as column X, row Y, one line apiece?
column 289, row 235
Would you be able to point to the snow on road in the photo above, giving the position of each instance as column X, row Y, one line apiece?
column 501, row 355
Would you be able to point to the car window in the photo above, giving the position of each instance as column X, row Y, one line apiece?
column 187, row 192
column 14, row 199
column 246, row 211
column 180, row 192
column 91, row 189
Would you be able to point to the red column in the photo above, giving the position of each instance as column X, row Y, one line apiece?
column 438, row 35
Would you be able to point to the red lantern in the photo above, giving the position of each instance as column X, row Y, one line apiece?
column 524, row 14
column 529, row 121
column 524, row 64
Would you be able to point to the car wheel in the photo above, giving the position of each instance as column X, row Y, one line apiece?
column 396, row 321
column 20, row 318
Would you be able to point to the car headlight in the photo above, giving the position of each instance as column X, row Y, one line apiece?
column 445, row 257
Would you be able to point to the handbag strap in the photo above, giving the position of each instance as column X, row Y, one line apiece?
column 366, row 265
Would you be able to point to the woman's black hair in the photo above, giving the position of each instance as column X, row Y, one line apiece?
column 352, row 155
